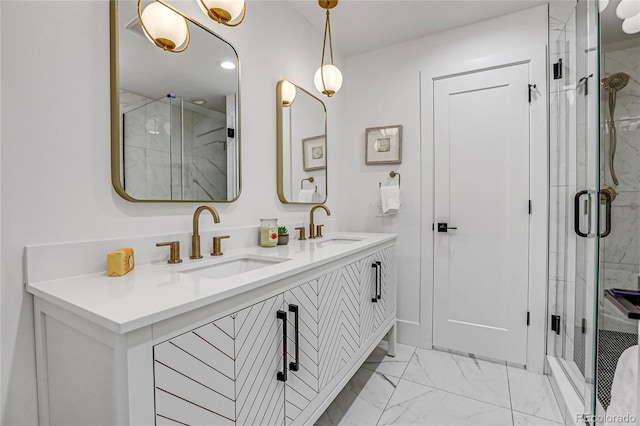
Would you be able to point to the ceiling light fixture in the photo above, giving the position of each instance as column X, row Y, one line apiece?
column 602, row 5
column 227, row 65
column 164, row 27
column 631, row 25
column 628, row 8
column 226, row 12
column 328, row 78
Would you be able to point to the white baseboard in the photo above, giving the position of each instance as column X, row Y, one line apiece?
column 408, row 332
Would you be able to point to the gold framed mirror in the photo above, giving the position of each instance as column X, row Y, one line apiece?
column 301, row 145
column 175, row 117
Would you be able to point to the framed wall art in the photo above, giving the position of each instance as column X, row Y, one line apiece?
column 383, row 145
column 314, row 153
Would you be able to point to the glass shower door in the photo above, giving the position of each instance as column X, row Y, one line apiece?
column 574, row 192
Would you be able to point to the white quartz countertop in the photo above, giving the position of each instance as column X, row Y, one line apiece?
column 157, row 291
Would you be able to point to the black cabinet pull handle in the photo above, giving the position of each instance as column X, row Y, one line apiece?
column 576, row 213
column 379, row 287
column 282, row 375
column 295, row 366
column 607, row 218
column 374, row 299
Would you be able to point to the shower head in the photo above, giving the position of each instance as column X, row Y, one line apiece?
column 615, row 82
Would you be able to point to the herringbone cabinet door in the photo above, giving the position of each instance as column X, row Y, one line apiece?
column 260, row 396
column 339, row 319
column 224, row 373
column 302, row 386
column 194, row 376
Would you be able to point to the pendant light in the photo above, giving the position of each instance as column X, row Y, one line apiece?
column 602, row 5
column 328, row 78
column 287, row 92
column 226, row 12
column 631, row 25
column 628, row 8
column 164, row 27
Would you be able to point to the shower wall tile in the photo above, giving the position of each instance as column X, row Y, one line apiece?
column 133, row 128
column 623, row 244
column 158, row 175
column 563, row 138
column 627, row 158
column 135, row 170
column 562, row 239
column 628, row 99
column 158, row 125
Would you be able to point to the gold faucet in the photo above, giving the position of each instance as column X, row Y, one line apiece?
column 195, row 238
column 312, row 229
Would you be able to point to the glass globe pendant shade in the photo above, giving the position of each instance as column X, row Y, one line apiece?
column 164, row 27
column 223, row 11
column 288, row 93
column 628, row 8
column 631, row 25
column 602, row 5
column 328, row 79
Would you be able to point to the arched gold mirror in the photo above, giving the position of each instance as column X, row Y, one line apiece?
column 175, row 121
column 301, row 144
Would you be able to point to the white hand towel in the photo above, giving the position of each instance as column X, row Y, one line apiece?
column 306, row 195
column 624, row 387
column 390, row 198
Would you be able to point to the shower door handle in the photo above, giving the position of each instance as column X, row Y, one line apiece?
column 576, row 213
column 607, row 217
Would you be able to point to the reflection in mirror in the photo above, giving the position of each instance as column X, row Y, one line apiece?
column 301, row 122
column 175, row 126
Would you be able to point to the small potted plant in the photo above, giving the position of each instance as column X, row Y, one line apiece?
column 283, row 236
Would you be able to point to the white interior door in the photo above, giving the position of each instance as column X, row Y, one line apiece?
column 481, row 135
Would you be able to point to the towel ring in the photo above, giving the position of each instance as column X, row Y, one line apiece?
column 392, row 174
column 310, row 179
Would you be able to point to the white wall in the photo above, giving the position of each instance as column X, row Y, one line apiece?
column 55, row 147
column 383, row 88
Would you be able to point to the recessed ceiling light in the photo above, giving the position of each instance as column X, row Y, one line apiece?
column 228, row 65
column 197, row 101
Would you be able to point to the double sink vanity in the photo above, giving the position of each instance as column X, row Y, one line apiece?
column 249, row 335
column 255, row 336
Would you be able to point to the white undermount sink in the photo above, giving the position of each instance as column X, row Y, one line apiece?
column 233, row 266
column 337, row 239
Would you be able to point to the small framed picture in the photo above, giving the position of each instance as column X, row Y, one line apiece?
column 383, row 145
column 314, row 153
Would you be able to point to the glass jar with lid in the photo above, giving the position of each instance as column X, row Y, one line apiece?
column 268, row 232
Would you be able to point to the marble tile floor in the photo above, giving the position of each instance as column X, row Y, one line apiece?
column 428, row 387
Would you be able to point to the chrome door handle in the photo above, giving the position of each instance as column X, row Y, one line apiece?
column 444, row 227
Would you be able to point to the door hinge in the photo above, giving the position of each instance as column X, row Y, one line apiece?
column 555, row 323
column 584, row 326
column 586, row 83
column 528, row 318
column 557, row 70
column 530, row 206
column 531, row 86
